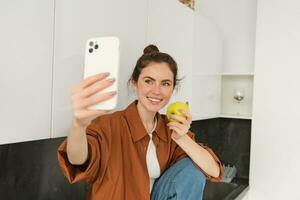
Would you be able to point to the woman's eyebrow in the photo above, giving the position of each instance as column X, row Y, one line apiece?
column 149, row 77
column 166, row 80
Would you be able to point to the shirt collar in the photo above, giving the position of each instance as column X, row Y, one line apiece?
column 137, row 128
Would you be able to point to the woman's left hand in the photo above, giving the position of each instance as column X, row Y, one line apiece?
column 182, row 126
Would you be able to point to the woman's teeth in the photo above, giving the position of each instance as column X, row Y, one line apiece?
column 155, row 100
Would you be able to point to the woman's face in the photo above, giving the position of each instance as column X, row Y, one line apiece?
column 155, row 86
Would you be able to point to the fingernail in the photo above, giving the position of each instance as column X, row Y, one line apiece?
column 105, row 74
column 113, row 93
column 111, row 80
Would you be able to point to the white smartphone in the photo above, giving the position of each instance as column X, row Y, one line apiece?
column 102, row 55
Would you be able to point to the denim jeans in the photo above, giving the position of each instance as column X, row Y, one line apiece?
column 182, row 181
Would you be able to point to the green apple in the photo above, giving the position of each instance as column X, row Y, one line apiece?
column 174, row 108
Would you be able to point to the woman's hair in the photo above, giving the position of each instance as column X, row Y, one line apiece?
column 153, row 55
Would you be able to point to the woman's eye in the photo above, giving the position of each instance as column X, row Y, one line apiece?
column 166, row 84
column 148, row 81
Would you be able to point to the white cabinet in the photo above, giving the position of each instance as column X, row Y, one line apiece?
column 232, row 108
column 171, row 28
column 26, row 54
column 42, row 56
column 196, row 46
column 75, row 22
column 236, row 21
column 206, row 70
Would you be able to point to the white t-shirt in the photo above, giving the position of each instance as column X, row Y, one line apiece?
column 152, row 161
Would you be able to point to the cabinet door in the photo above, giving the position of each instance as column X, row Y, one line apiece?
column 237, row 21
column 207, row 63
column 26, row 54
column 76, row 21
column 171, row 28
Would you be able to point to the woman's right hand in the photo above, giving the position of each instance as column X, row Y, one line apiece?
column 82, row 96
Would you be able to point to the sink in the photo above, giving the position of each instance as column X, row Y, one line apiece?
column 222, row 190
column 217, row 191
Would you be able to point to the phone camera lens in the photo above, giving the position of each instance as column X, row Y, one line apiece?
column 91, row 43
column 91, row 50
column 96, row 46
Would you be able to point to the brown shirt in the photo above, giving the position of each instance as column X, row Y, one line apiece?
column 116, row 167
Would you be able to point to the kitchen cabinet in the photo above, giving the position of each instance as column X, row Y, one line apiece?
column 75, row 22
column 231, row 85
column 26, row 55
column 236, row 21
column 206, row 70
column 42, row 57
column 195, row 44
column 171, row 28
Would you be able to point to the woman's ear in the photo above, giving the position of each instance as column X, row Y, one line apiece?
column 133, row 84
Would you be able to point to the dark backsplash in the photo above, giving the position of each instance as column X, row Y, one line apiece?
column 29, row 170
column 229, row 139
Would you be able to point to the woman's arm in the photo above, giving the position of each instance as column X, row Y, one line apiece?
column 82, row 96
column 199, row 155
column 77, row 147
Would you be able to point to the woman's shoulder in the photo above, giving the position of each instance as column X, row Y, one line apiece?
column 105, row 125
column 107, row 118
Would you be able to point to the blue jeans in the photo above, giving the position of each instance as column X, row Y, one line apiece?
column 182, row 181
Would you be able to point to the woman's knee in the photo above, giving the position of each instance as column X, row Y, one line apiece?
column 183, row 179
column 189, row 183
column 191, row 173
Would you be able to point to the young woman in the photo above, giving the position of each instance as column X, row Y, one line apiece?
column 136, row 154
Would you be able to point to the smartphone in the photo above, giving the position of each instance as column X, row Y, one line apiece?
column 102, row 55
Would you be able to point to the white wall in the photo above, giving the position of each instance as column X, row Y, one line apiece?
column 275, row 163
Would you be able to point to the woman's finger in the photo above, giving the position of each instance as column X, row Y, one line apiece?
column 178, row 125
column 187, row 114
column 180, row 119
column 97, row 87
column 96, row 99
column 177, row 130
column 89, row 81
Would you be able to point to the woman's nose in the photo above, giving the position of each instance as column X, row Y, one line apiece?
column 156, row 89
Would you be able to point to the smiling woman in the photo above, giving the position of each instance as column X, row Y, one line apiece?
column 137, row 153
column 155, row 86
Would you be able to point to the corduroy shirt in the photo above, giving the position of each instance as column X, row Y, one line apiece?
column 116, row 167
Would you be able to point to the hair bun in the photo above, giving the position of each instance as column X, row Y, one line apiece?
column 150, row 49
